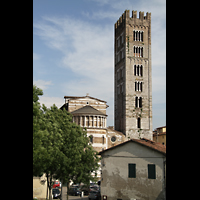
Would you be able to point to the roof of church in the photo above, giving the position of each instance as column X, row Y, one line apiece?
column 145, row 142
column 79, row 97
column 88, row 110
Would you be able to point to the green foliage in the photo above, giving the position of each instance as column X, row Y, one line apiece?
column 61, row 149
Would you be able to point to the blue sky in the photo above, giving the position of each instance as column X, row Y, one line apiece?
column 73, row 50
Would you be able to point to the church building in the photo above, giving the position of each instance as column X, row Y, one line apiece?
column 90, row 113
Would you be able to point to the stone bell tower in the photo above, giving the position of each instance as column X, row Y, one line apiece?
column 133, row 79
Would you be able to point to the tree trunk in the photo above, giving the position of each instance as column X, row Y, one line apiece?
column 67, row 190
column 50, row 183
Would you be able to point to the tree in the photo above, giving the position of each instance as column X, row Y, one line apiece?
column 78, row 158
column 61, row 149
column 38, row 133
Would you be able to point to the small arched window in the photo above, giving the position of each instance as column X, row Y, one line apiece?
column 139, row 122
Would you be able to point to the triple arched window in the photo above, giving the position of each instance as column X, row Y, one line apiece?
column 137, row 51
column 138, row 36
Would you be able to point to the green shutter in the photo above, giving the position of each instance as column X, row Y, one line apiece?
column 151, row 171
column 132, row 170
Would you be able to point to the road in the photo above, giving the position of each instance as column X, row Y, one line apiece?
column 64, row 195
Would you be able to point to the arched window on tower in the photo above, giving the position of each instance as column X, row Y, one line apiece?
column 136, row 102
column 138, row 122
column 140, row 102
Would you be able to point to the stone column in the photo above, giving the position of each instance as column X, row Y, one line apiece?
column 97, row 122
column 135, row 35
column 84, row 121
column 81, row 121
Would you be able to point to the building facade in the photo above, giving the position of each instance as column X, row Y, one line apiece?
column 135, row 169
column 159, row 135
column 133, row 79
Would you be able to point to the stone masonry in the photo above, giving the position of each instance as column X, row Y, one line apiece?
column 133, row 79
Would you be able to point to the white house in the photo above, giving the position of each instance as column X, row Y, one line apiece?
column 135, row 169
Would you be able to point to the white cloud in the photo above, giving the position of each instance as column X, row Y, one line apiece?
column 87, row 50
column 42, row 84
column 36, row 56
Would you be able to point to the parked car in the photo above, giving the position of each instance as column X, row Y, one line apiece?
column 94, row 194
column 56, row 184
column 87, row 189
column 74, row 191
column 56, row 193
column 94, row 187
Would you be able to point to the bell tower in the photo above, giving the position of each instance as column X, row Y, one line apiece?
column 133, row 79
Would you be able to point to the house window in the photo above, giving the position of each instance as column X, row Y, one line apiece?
column 151, row 171
column 138, row 122
column 131, row 170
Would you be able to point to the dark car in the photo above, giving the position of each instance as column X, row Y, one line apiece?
column 94, row 195
column 56, row 193
column 86, row 189
column 74, row 191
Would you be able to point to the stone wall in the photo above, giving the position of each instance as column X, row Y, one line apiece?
column 126, row 112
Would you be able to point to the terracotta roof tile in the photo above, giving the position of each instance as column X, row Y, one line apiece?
column 145, row 142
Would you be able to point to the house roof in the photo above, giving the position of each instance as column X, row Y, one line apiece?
column 145, row 142
column 88, row 110
column 161, row 127
column 112, row 130
column 157, row 134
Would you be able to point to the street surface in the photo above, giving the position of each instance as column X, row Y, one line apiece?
column 64, row 195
